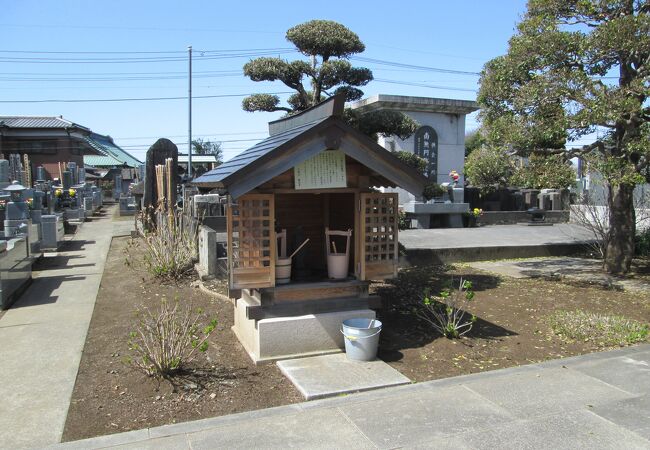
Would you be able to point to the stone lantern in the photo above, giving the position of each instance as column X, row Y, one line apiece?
column 17, row 216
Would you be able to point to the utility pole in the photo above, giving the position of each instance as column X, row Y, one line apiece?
column 189, row 127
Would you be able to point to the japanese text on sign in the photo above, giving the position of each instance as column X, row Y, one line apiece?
column 325, row 170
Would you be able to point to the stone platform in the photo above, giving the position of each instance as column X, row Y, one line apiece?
column 332, row 375
column 289, row 337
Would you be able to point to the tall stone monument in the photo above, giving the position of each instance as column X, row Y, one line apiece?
column 157, row 154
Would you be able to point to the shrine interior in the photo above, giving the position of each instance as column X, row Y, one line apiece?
column 306, row 215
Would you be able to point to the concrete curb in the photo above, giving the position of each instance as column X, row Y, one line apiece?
column 214, row 294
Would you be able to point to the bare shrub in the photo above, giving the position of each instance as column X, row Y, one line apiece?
column 167, row 340
column 170, row 241
column 447, row 313
column 595, row 219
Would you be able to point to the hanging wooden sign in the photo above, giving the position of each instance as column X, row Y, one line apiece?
column 325, row 170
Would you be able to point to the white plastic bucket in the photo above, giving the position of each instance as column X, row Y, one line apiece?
column 337, row 266
column 282, row 270
column 361, row 338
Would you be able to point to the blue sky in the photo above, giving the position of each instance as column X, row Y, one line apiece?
column 460, row 35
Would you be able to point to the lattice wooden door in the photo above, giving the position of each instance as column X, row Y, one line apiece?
column 251, row 241
column 379, row 250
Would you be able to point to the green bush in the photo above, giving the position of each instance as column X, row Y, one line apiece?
column 447, row 313
column 601, row 329
column 488, row 167
column 403, row 222
column 433, row 190
column 474, row 140
column 544, row 172
column 413, row 160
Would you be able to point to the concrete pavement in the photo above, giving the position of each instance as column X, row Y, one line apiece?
column 494, row 236
column 448, row 245
column 596, row 401
column 42, row 336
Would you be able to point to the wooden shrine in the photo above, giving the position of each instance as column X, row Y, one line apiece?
column 314, row 173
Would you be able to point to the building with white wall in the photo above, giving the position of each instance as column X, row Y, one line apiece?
column 441, row 136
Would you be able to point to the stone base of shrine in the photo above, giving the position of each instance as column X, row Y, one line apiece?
column 275, row 338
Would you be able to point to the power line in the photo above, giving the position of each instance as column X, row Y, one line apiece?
column 132, row 99
column 428, row 52
column 176, row 87
column 412, row 66
column 185, row 143
column 167, row 29
column 48, row 52
column 160, row 59
column 408, row 83
column 170, row 77
column 157, row 72
column 173, row 72
column 196, row 135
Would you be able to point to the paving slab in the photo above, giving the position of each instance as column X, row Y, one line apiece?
column 571, row 431
column 630, row 373
column 429, row 416
column 644, row 432
column 323, row 428
column 332, row 375
column 536, row 393
column 632, row 413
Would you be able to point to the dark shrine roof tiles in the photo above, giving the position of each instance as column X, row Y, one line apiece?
column 254, row 153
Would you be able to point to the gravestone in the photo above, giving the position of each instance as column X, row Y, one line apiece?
column 4, row 173
column 72, row 168
column 67, row 179
column 157, row 154
column 117, row 189
column 40, row 173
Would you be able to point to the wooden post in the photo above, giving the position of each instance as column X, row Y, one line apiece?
column 160, row 185
column 28, row 170
column 168, row 175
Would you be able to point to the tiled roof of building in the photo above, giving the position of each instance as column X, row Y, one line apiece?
column 296, row 138
column 254, row 153
column 38, row 122
column 112, row 155
column 101, row 161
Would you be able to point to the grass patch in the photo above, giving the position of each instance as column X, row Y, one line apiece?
column 597, row 328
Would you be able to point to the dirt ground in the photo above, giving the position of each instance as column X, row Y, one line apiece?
column 512, row 327
column 110, row 396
